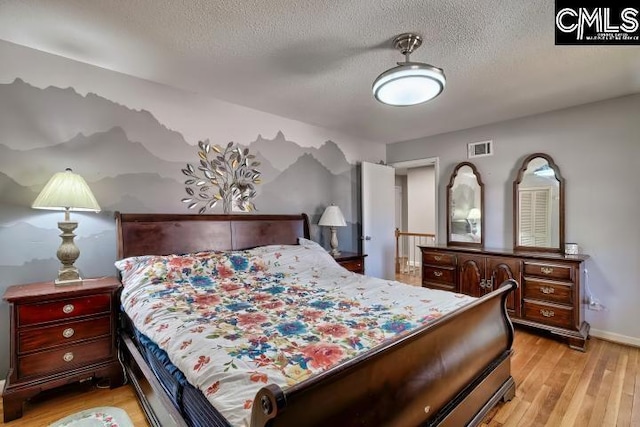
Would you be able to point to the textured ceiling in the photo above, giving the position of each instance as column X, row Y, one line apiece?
column 315, row 61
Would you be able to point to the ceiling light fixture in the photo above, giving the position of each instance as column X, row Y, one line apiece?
column 409, row 83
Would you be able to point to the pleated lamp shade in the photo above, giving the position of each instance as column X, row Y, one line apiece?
column 66, row 191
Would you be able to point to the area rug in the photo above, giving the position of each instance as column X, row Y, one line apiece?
column 104, row 416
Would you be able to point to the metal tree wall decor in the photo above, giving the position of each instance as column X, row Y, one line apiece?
column 225, row 174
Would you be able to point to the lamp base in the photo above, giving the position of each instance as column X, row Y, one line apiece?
column 334, row 242
column 68, row 253
column 68, row 282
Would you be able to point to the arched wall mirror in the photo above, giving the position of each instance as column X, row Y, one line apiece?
column 465, row 207
column 538, row 205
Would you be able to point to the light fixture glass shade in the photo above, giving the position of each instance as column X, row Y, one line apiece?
column 66, row 191
column 409, row 83
column 332, row 217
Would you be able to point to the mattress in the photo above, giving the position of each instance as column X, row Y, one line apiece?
column 233, row 322
column 192, row 404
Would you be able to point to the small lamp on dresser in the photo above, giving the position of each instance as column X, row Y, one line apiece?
column 67, row 191
column 332, row 217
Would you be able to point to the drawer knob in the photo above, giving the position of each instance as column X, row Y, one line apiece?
column 547, row 290
column 437, row 273
column 68, row 333
column 547, row 313
column 437, row 257
column 68, row 308
column 546, row 270
column 68, row 357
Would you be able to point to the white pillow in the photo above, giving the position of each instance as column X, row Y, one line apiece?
column 308, row 243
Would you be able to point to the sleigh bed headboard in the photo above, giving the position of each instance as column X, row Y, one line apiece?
column 164, row 234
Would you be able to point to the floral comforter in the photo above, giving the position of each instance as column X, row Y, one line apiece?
column 233, row 322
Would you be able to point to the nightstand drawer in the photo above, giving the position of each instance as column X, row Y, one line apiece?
column 64, row 358
column 68, row 332
column 548, row 271
column 437, row 258
column 356, row 265
column 549, row 314
column 548, row 291
column 29, row 314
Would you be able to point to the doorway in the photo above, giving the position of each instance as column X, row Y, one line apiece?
column 416, row 214
column 416, row 183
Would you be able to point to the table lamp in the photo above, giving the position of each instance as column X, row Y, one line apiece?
column 332, row 217
column 67, row 191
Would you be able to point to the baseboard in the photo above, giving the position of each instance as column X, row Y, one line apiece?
column 610, row 336
column 1, row 387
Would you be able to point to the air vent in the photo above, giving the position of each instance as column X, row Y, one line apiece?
column 480, row 149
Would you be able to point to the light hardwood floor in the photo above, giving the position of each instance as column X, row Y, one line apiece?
column 59, row 403
column 556, row 386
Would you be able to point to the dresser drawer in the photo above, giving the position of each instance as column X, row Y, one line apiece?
column 68, row 332
column 64, row 358
column 549, row 314
column 29, row 314
column 436, row 258
column 549, row 271
column 548, row 291
column 440, row 275
column 355, row 265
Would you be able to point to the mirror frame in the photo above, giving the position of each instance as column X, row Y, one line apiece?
column 454, row 174
column 516, row 207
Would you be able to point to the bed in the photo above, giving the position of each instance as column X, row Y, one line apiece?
column 450, row 371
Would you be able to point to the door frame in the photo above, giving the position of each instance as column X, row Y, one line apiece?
column 428, row 161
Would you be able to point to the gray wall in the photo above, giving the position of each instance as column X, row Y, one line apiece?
column 597, row 148
column 129, row 139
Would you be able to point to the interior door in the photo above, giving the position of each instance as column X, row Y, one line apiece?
column 378, row 219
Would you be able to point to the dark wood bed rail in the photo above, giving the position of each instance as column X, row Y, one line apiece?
column 395, row 387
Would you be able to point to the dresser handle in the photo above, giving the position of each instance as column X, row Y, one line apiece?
column 486, row 283
column 547, row 270
column 437, row 257
column 437, row 273
column 547, row 290
column 68, row 333
column 547, row 313
column 68, row 308
column 68, row 357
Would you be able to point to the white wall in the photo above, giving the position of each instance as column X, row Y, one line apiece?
column 597, row 148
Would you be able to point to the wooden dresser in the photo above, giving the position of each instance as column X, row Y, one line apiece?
column 551, row 292
column 60, row 335
column 352, row 261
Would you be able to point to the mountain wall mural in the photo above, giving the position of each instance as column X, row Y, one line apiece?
column 132, row 162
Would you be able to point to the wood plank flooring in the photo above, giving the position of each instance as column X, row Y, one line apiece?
column 53, row 405
column 556, row 386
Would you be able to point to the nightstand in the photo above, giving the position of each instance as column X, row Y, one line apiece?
column 352, row 261
column 60, row 335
